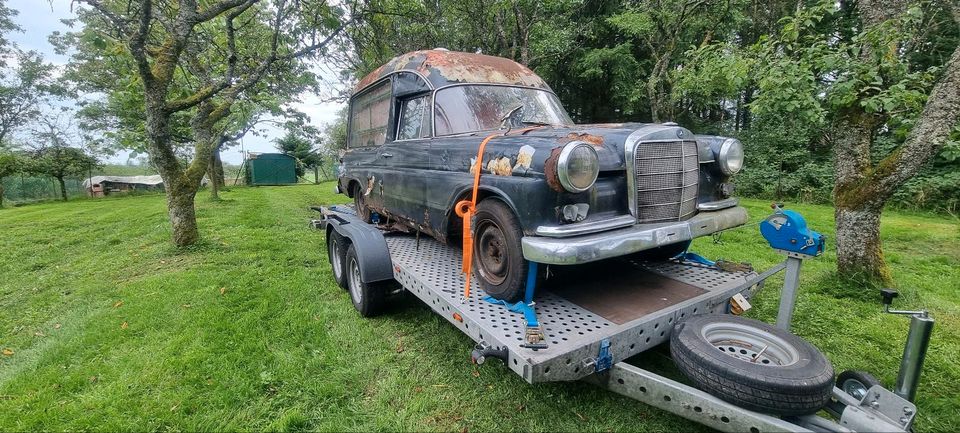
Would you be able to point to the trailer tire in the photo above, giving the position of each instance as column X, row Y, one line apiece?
column 856, row 382
column 714, row 352
column 368, row 298
column 337, row 252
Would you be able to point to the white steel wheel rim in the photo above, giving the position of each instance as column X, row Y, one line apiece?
column 335, row 258
column 750, row 344
column 355, row 291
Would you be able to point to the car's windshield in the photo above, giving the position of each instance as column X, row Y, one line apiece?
column 462, row 109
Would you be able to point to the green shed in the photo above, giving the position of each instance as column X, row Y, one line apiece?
column 271, row 169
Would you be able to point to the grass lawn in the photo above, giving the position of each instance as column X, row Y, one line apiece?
column 105, row 326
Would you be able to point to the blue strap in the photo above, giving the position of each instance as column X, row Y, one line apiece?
column 531, row 282
column 525, row 307
column 519, row 307
column 696, row 258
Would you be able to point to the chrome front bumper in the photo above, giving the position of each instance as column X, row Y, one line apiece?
column 614, row 243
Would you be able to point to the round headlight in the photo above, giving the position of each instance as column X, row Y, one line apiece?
column 730, row 156
column 578, row 166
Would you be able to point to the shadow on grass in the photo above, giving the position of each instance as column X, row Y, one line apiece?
column 854, row 287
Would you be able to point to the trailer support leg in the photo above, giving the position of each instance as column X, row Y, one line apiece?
column 788, row 297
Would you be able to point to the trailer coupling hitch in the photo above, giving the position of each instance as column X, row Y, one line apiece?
column 483, row 350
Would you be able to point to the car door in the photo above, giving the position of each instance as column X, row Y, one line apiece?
column 405, row 159
column 369, row 125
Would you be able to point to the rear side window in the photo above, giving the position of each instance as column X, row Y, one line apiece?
column 369, row 114
column 411, row 118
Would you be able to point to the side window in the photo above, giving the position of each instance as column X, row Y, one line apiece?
column 369, row 115
column 411, row 122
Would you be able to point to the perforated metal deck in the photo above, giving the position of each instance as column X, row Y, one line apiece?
column 431, row 271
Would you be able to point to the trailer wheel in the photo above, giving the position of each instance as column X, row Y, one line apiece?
column 337, row 252
column 856, row 383
column 368, row 298
column 497, row 254
column 752, row 364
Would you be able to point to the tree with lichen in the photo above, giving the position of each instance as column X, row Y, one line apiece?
column 860, row 87
column 198, row 58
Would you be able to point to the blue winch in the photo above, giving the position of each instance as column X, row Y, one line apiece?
column 786, row 230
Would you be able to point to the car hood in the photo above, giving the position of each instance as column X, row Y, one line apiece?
column 608, row 139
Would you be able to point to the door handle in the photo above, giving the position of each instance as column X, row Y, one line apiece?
column 386, row 155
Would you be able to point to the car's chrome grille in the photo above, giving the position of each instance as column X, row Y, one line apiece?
column 667, row 174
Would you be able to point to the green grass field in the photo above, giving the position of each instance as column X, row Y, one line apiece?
column 105, row 326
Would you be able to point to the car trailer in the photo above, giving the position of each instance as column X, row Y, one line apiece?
column 597, row 319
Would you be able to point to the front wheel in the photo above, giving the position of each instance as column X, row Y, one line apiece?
column 752, row 364
column 497, row 254
column 360, row 203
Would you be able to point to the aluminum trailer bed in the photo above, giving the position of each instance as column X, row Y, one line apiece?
column 589, row 338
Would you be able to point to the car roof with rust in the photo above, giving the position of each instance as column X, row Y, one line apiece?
column 442, row 67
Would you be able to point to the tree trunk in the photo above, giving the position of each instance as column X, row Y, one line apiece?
column 1, row 193
column 180, row 193
column 212, row 174
column 63, row 188
column 183, row 216
column 859, row 253
column 862, row 188
column 218, row 168
column 316, row 174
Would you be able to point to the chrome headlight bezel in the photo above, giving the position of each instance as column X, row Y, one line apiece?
column 563, row 166
column 730, row 156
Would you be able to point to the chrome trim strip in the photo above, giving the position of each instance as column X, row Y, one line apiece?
column 586, row 227
column 719, row 204
column 599, row 246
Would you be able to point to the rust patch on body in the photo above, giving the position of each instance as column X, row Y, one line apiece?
column 500, row 166
column 442, row 67
column 550, row 170
column 370, row 183
column 524, row 158
column 595, row 140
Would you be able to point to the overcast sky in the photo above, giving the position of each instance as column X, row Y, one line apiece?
column 40, row 18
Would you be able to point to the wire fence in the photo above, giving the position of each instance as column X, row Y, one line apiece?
column 27, row 189
column 22, row 188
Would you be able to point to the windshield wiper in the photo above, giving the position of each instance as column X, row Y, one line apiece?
column 535, row 123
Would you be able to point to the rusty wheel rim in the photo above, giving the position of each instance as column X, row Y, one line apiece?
column 360, row 203
column 491, row 252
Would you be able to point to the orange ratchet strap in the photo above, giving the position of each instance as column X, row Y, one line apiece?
column 466, row 208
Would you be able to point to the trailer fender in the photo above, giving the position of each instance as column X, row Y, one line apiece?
column 371, row 247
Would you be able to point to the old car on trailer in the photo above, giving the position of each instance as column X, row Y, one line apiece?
column 555, row 193
column 552, row 192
